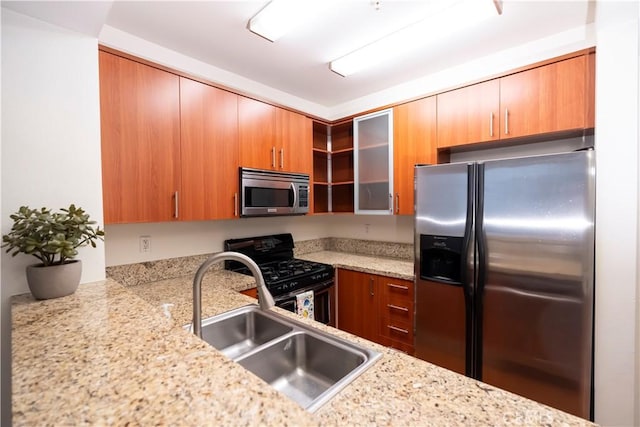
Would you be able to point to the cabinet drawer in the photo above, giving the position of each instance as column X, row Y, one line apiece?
column 401, row 331
column 398, row 311
column 397, row 290
column 399, row 345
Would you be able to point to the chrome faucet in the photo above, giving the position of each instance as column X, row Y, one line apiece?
column 264, row 296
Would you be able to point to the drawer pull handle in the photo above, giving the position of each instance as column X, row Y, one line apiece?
column 395, row 328
column 397, row 307
column 404, row 288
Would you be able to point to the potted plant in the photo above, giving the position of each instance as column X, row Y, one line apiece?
column 54, row 239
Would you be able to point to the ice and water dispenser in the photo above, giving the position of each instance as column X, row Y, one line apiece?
column 441, row 258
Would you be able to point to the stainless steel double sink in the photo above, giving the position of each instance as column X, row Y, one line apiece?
column 306, row 364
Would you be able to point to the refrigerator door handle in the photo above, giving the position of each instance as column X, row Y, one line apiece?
column 467, row 273
column 479, row 232
column 481, row 268
column 467, row 281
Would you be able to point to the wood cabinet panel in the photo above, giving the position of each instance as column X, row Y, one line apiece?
column 140, row 131
column 469, row 114
column 357, row 304
column 555, row 97
column 252, row 292
column 209, row 149
column 294, row 142
column 396, row 313
column 256, row 133
column 377, row 308
column 545, row 99
column 414, row 142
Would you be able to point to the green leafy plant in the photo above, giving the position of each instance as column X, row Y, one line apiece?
column 53, row 238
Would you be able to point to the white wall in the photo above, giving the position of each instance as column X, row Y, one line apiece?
column 617, row 159
column 50, row 143
column 169, row 240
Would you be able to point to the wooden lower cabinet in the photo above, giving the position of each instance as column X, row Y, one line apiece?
column 396, row 308
column 357, row 299
column 377, row 308
column 252, row 292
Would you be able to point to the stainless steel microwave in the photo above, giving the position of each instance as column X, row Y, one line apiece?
column 268, row 193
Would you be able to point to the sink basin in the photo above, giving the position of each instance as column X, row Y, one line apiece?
column 238, row 331
column 307, row 365
column 304, row 366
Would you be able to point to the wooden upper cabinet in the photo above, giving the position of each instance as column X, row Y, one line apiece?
column 414, row 142
column 555, row 97
column 546, row 99
column 256, row 131
column 469, row 114
column 140, row 131
column 209, row 147
column 274, row 138
column 294, row 142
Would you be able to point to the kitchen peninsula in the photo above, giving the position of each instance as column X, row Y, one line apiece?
column 114, row 354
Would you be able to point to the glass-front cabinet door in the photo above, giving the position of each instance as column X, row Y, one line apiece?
column 373, row 160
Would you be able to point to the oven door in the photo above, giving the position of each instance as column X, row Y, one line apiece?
column 323, row 302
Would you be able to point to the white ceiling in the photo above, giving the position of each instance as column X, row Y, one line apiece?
column 216, row 33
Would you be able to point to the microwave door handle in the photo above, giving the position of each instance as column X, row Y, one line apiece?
column 295, row 195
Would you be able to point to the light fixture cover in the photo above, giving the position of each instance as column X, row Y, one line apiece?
column 279, row 17
column 461, row 15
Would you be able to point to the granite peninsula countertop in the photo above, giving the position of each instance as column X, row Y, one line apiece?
column 110, row 354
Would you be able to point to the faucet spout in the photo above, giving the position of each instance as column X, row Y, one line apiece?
column 264, row 296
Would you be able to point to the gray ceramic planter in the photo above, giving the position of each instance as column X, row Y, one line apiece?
column 54, row 281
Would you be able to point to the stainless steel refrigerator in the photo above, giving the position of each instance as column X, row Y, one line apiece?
column 505, row 274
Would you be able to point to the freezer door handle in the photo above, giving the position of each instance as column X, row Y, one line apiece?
column 479, row 232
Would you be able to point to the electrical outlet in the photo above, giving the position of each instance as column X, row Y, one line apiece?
column 145, row 244
column 366, row 228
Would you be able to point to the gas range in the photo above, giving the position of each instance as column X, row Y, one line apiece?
column 283, row 274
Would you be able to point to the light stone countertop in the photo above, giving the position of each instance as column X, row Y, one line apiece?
column 114, row 355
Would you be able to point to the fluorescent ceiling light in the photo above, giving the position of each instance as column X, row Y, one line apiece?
column 461, row 15
column 279, row 17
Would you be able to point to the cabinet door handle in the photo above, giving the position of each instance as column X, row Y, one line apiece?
column 397, row 307
column 235, row 204
column 395, row 328
column 371, row 286
column 391, row 202
column 393, row 285
column 491, row 125
column 397, row 202
column 175, row 205
column 282, row 158
column 273, row 157
column 506, row 121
